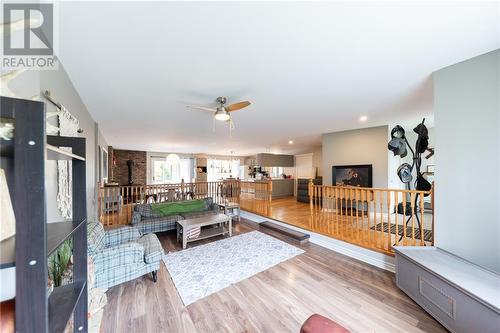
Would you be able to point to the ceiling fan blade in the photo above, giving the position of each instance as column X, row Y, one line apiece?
column 202, row 108
column 237, row 106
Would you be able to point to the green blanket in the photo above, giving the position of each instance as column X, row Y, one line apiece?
column 174, row 208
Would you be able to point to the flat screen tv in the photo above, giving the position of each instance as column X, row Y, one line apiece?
column 352, row 175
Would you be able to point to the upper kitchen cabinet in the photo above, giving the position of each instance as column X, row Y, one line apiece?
column 275, row 160
column 250, row 160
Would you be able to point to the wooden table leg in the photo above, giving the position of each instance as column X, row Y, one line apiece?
column 184, row 239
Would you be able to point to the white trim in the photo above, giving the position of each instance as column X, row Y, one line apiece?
column 374, row 258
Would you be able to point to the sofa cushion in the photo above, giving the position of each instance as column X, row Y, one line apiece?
column 121, row 235
column 145, row 210
column 209, row 202
column 95, row 237
column 158, row 224
column 153, row 251
column 115, row 256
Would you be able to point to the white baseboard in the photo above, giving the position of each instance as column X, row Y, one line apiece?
column 374, row 258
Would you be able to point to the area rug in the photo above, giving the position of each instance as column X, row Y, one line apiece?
column 427, row 233
column 203, row 270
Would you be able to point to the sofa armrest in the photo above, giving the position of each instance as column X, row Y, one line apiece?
column 153, row 251
column 121, row 235
column 136, row 217
column 215, row 208
column 115, row 256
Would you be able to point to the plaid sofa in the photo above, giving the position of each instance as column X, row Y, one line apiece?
column 147, row 221
column 122, row 254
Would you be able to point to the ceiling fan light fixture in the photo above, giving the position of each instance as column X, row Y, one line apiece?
column 221, row 114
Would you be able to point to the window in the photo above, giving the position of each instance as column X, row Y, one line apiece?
column 187, row 169
column 163, row 172
column 219, row 169
column 276, row 172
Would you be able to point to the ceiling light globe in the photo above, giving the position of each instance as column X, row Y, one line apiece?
column 173, row 158
column 222, row 116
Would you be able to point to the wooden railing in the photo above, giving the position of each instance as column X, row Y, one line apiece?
column 256, row 196
column 115, row 204
column 377, row 219
column 373, row 218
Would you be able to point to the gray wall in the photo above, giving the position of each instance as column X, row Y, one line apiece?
column 363, row 146
column 467, row 128
column 32, row 83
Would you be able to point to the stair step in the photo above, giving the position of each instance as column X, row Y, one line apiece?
column 290, row 233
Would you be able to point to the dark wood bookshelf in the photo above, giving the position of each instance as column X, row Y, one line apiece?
column 23, row 159
column 62, row 304
column 59, row 232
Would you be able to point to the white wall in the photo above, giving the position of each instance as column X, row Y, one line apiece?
column 362, row 146
column 467, row 126
column 304, row 166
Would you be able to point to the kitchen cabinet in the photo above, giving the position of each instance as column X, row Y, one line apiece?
column 275, row 160
column 250, row 160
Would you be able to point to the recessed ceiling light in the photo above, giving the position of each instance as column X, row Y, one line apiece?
column 363, row 118
column 290, row 142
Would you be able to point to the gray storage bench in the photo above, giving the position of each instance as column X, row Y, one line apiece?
column 462, row 296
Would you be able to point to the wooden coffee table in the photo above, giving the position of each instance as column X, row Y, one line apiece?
column 217, row 220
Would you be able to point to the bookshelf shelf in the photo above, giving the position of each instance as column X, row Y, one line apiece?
column 55, row 153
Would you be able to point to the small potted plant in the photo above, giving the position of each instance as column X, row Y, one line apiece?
column 59, row 262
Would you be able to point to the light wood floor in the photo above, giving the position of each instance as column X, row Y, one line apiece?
column 354, row 230
column 360, row 297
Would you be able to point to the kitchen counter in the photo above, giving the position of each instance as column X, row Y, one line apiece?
column 281, row 187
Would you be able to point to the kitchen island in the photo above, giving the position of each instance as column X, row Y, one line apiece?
column 281, row 187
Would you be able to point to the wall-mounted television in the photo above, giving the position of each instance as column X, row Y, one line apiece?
column 352, row 175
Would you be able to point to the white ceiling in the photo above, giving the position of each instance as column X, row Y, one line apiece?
column 308, row 68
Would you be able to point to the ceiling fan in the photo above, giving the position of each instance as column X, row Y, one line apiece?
column 223, row 112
